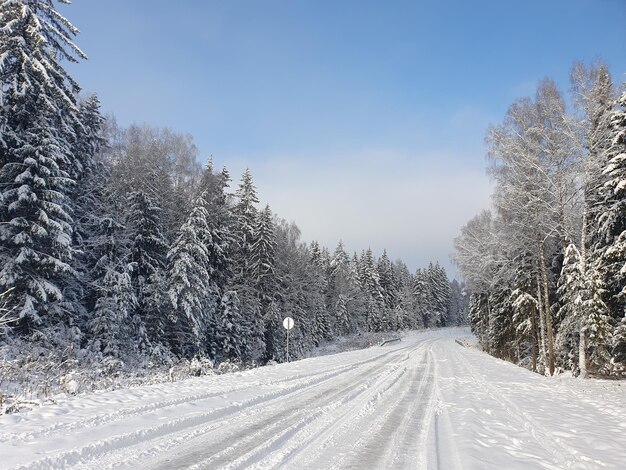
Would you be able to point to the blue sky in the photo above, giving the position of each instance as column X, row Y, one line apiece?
column 360, row 120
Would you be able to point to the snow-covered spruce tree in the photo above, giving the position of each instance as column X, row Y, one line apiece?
column 524, row 322
column 263, row 275
column 92, row 211
column 317, row 290
column 220, row 222
column 370, row 285
column 109, row 324
column 423, row 300
column 405, row 302
column 342, row 290
column 193, row 295
column 245, row 215
column 231, row 337
column 501, row 333
column 106, row 273
column 360, row 297
column 571, row 315
column 599, row 325
column 610, row 249
column 263, row 256
column 38, row 114
column 455, row 304
column 440, row 292
column 388, row 289
column 148, row 250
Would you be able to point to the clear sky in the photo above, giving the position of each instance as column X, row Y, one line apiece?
column 360, row 120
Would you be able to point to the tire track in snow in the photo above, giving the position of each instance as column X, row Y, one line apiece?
column 254, row 431
column 163, row 432
column 399, row 425
column 94, row 421
column 333, row 432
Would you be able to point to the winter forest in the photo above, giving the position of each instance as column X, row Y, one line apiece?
column 120, row 251
column 546, row 267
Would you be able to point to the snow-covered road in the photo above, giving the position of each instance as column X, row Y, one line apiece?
column 425, row 402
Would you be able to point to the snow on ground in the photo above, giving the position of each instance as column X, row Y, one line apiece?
column 425, row 402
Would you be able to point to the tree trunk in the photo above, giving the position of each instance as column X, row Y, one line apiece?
column 548, row 313
column 542, row 324
column 533, row 328
column 486, row 343
column 582, row 351
column 582, row 340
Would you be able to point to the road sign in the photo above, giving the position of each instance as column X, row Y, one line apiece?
column 288, row 324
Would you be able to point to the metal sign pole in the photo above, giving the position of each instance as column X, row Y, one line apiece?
column 288, row 324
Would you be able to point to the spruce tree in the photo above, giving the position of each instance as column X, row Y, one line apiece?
column 230, row 340
column 147, row 257
column 38, row 114
column 193, row 295
column 263, row 276
column 610, row 251
column 245, row 215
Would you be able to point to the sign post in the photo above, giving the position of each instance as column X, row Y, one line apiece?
column 288, row 324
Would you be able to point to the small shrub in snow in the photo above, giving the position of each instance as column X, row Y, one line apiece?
column 69, row 383
column 228, row 367
column 200, row 366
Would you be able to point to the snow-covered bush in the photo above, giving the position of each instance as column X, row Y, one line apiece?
column 228, row 367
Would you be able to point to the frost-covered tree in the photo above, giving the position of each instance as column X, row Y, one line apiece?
column 370, row 285
column 389, row 289
column 572, row 295
column 610, row 249
column 457, row 308
column 147, row 256
column 231, row 339
column 263, row 256
column 423, row 299
column 245, row 221
column 263, row 275
column 38, row 114
column 343, row 291
column 439, row 286
column 109, row 324
column 92, row 207
column 193, row 295
column 220, row 222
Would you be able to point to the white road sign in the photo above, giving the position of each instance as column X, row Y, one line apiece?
column 288, row 323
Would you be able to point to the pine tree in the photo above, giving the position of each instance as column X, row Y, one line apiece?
column 38, row 113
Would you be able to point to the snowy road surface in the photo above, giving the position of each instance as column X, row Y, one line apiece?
column 425, row 402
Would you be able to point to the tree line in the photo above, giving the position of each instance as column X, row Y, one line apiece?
column 546, row 267
column 115, row 242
